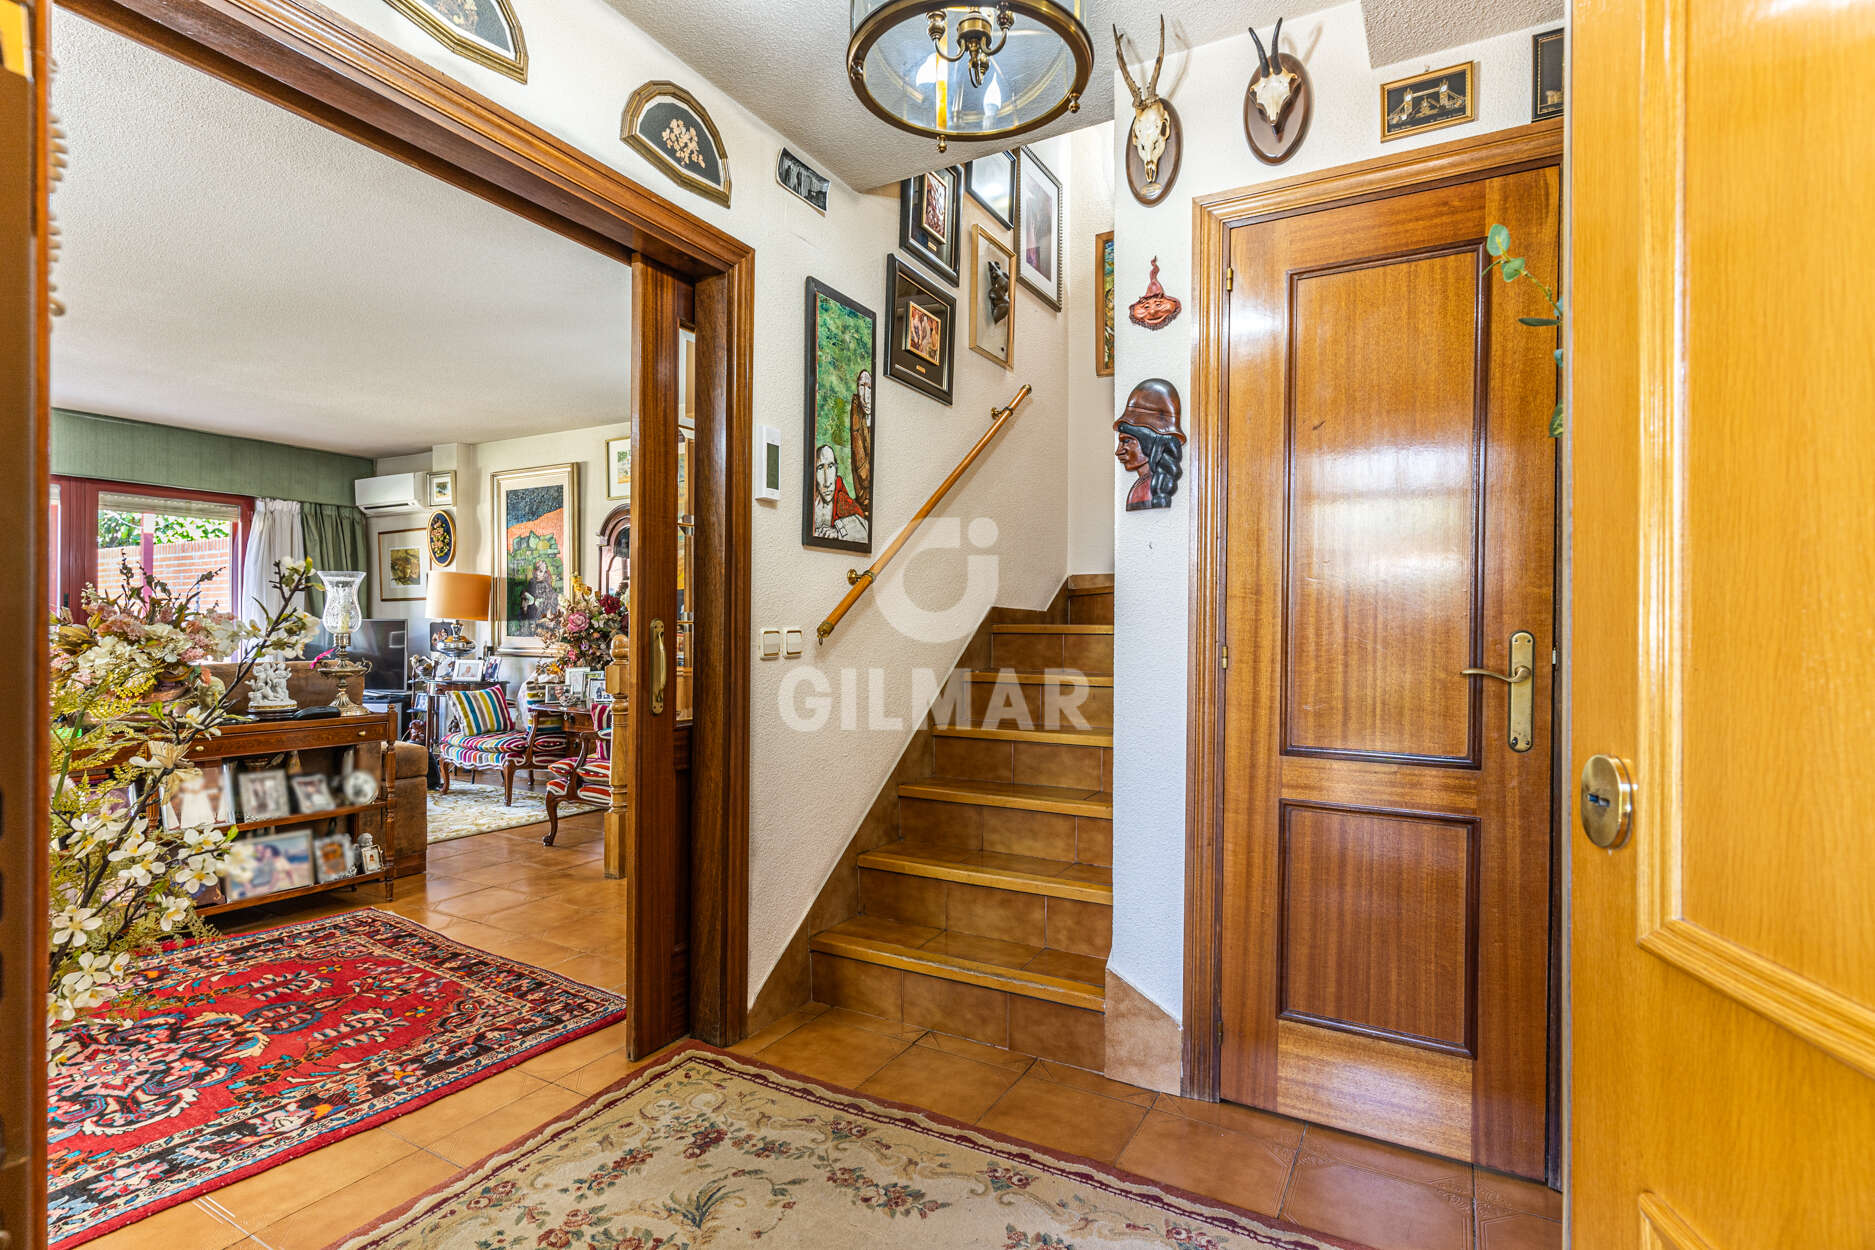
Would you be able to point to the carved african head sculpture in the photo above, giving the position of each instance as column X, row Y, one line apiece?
column 1151, row 444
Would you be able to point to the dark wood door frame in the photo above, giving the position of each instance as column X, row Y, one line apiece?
column 1213, row 218
column 314, row 63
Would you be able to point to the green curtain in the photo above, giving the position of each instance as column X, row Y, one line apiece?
column 335, row 539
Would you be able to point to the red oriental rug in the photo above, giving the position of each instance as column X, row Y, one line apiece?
column 258, row 1048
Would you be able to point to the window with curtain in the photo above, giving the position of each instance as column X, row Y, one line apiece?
column 174, row 536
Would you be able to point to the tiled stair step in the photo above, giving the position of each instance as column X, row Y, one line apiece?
column 1052, row 629
column 1064, row 799
column 918, row 949
column 1085, row 648
column 1039, row 697
column 1053, row 737
column 1022, row 874
column 990, row 676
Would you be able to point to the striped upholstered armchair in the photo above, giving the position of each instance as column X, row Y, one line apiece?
column 483, row 736
column 588, row 780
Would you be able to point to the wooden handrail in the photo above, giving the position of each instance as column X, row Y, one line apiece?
column 861, row 581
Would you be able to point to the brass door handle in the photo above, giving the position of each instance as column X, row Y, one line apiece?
column 1520, row 718
column 660, row 669
column 1518, row 675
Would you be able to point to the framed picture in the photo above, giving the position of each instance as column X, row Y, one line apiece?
column 403, row 564
column 1038, row 227
column 486, row 33
column 992, row 297
column 803, row 179
column 1103, row 305
column 282, row 861
column 1546, row 75
column 919, row 348
column 929, row 218
column 669, row 128
column 442, row 539
column 992, row 183
column 443, row 489
column 333, row 857
column 595, row 686
column 836, row 507
column 312, row 793
column 202, row 798
column 264, row 795
column 535, row 515
column 618, row 467
column 487, row 670
column 1429, row 101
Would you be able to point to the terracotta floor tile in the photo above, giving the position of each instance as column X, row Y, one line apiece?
column 1232, row 1167
column 603, row 897
column 1060, row 1116
column 1396, row 1161
column 277, row 1192
column 1265, row 1124
column 438, row 884
column 996, row 1056
column 837, row 1053
column 1376, row 1210
column 590, row 1078
column 358, row 1203
column 484, row 902
column 874, row 1024
column 447, row 1114
column 1092, row 1082
column 985, row 950
column 190, row 1225
column 499, row 1127
column 607, row 971
column 524, row 947
column 755, row 1042
column 556, row 1063
column 1085, row 968
column 924, row 1077
column 1517, row 1231
column 1513, row 1193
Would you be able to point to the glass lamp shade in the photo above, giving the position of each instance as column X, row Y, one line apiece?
column 342, row 615
column 1032, row 79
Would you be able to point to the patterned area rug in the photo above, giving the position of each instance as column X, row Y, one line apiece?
column 471, row 809
column 256, row 1049
column 708, row 1149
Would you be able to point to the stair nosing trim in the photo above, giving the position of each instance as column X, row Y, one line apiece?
column 969, row 971
column 1032, row 677
column 1055, row 737
column 1090, row 630
column 1015, row 881
column 935, row 791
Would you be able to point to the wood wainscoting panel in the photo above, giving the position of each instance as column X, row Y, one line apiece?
column 1418, row 1098
column 1378, row 924
column 1382, row 589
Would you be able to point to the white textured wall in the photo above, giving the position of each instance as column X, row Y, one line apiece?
column 1090, row 398
column 1151, row 549
column 811, row 790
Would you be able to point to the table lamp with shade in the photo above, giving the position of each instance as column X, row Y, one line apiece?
column 456, row 598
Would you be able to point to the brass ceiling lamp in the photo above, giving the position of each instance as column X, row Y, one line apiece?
column 971, row 72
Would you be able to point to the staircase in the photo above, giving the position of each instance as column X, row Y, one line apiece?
column 991, row 916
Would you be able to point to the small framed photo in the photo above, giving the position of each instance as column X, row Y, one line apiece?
column 282, row 861
column 198, row 799
column 264, row 795
column 992, row 183
column 595, row 686
column 443, row 489
column 1103, row 305
column 920, row 347
column 929, row 219
column 313, row 793
column 333, row 857
column 1429, row 101
column 618, row 467
column 992, row 297
column 1546, row 75
column 488, row 670
column 1038, row 228
column 403, row 564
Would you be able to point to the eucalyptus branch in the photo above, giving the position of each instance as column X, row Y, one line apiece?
column 1510, row 268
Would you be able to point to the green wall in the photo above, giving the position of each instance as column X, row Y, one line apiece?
column 87, row 445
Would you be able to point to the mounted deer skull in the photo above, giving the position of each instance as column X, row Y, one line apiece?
column 1274, row 87
column 1153, row 120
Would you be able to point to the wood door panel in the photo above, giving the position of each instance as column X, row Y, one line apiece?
column 1416, row 1097
column 1370, row 783
column 1383, row 590
column 1378, row 924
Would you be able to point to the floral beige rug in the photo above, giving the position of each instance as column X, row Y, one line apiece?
column 705, row 1149
column 469, row 809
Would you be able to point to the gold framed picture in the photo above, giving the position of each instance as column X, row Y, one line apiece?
column 1430, row 101
column 992, row 298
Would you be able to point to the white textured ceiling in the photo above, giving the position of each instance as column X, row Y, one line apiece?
column 229, row 266
column 784, row 61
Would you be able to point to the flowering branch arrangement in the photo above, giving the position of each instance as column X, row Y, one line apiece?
column 584, row 626
column 129, row 700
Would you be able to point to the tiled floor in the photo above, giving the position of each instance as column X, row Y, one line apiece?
column 551, row 906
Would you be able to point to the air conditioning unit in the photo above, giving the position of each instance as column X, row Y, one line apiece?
column 394, row 492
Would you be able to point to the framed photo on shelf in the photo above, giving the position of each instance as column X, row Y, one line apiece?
column 333, row 856
column 282, row 861
column 403, row 565
column 1038, row 227
column 1103, row 305
column 836, row 506
column 313, row 793
column 618, row 467
column 929, row 219
column 264, row 795
column 201, row 799
column 921, row 342
column 535, row 514
column 992, row 183
column 992, row 297
column 443, row 489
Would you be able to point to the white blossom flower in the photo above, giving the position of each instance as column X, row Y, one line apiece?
column 74, row 924
column 194, row 875
column 175, row 911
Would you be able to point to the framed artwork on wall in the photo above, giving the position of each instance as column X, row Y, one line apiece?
column 1103, row 305
column 403, row 565
column 836, row 507
column 534, row 515
column 618, row 467
column 921, row 341
column 1546, row 75
column 930, row 219
column 443, row 489
column 992, row 183
column 1038, row 228
column 1429, row 101
column 668, row 127
column 992, row 297
column 442, row 534
column 487, row 33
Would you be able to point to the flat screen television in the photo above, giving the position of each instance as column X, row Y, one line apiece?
column 380, row 642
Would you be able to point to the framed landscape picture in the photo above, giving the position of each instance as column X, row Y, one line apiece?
column 1103, row 305
column 618, row 467
column 836, row 508
column 535, row 515
column 1038, row 227
column 920, row 349
column 1429, row 101
column 930, row 217
column 403, row 565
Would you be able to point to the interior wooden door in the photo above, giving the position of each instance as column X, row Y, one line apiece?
column 1386, row 828
column 1723, row 957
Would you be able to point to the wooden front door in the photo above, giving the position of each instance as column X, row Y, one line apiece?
column 1389, row 515
column 1723, row 956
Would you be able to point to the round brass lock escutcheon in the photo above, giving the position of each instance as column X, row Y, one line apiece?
column 1607, row 801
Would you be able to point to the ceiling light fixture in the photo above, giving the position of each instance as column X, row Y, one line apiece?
column 970, row 72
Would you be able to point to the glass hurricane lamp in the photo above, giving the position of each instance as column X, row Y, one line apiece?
column 342, row 617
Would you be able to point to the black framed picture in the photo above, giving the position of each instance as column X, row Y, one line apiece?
column 1546, row 75
column 929, row 217
column 921, row 336
column 1429, row 101
column 992, row 183
column 1038, row 227
column 836, row 507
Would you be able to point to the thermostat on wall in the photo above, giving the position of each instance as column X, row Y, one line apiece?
column 767, row 462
